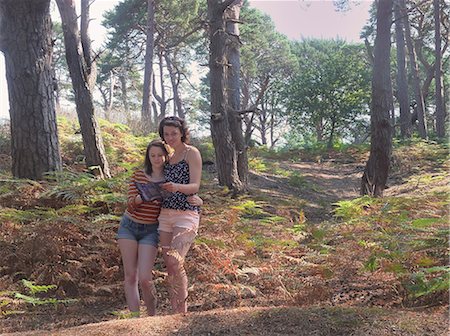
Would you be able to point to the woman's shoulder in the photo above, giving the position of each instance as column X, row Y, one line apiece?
column 192, row 151
column 138, row 171
column 139, row 174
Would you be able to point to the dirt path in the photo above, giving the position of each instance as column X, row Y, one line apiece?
column 330, row 181
column 320, row 185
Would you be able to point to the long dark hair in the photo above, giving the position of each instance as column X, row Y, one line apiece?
column 147, row 163
column 177, row 122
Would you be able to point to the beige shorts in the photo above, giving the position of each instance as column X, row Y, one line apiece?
column 171, row 218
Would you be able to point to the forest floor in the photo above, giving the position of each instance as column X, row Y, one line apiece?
column 276, row 261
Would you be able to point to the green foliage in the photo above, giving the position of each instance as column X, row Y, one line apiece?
column 306, row 145
column 107, row 218
column 14, row 297
column 402, row 234
column 79, row 187
column 428, row 281
column 179, row 30
column 371, row 264
column 125, row 315
column 262, row 242
column 5, row 139
column 122, row 148
column 298, row 228
column 38, row 301
column 433, row 239
column 297, row 180
column 257, row 165
column 34, row 289
column 319, row 233
column 74, row 210
column 431, row 155
column 210, row 242
column 349, row 210
column 306, row 142
column 68, row 186
column 328, row 97
column 25, row 216
column 263, row 152
column 272, row 220
column 254, row 210
column 424, row 222
column 206, row 148
column 250, row 209
column 267, row 63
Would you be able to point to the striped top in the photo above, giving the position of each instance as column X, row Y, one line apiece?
column 147, row 212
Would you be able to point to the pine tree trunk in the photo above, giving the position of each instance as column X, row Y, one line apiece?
column 175, row 82
column 86, row 44
column 420, row 108
column 376, row 172
column 402, row 80
column 225, row 150
column 438, row 78
column 26, row 41
column 262, row 116
column 233, row 89
column 90, row 130
column 146, row 112
column 124, row 94
column 331, row 136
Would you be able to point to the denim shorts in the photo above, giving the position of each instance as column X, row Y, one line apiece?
column 142, row 233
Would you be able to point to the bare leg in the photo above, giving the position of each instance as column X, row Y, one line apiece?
column 175, row 247
column 129, row 251
column 146, row 260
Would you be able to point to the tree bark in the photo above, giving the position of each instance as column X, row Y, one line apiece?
column 438, row 78
column 319, row 129
column 146, row 113
column 262, row 116
column 233, row 88
column 331, row 136
column 123, row 75
column 26, row 41
column 174, row 75
column 376, row 171
column 162, row 88
column 86, row 44
column 93, row 144
column 161, row 99
column 225, row 150
column 402, row 80
column 422, row 125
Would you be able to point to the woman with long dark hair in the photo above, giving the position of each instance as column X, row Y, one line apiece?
column 179, row 219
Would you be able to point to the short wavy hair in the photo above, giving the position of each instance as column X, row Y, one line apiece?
column 177, row 122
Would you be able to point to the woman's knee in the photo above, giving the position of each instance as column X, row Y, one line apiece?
column 146, row 282
column 173, row 261
column 131, row 278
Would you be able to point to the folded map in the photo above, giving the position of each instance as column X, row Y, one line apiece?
column 152, row 191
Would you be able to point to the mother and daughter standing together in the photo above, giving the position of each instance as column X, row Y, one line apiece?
column 171, row 222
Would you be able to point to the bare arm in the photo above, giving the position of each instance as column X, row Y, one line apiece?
column 195, row 200
column 134, row 199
